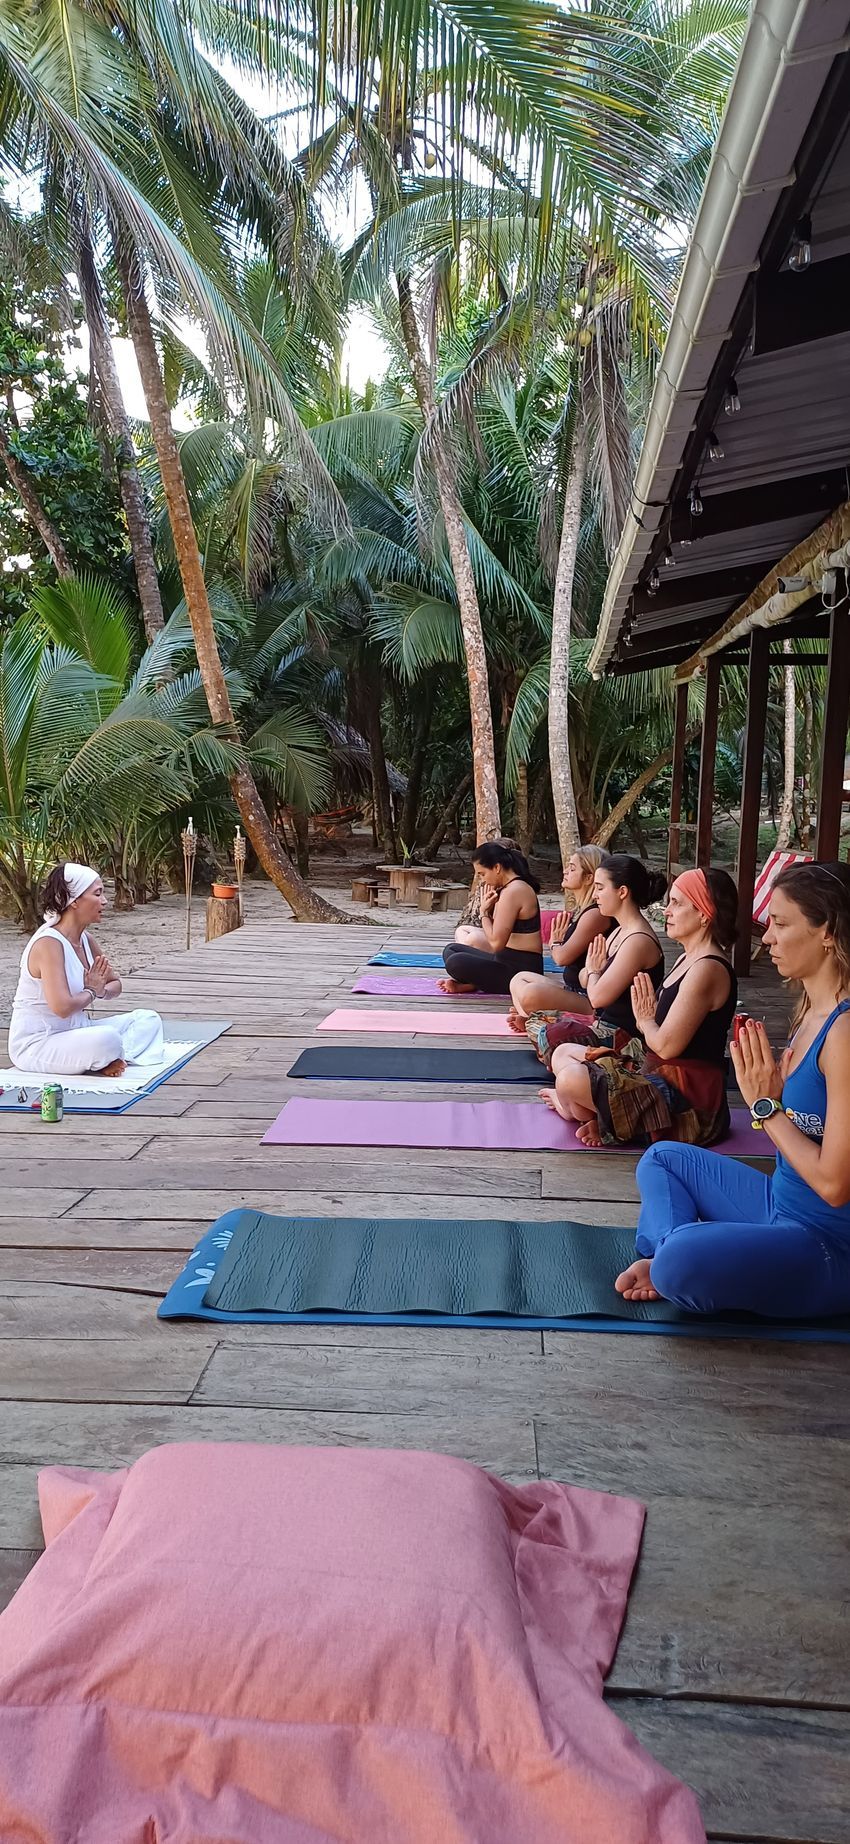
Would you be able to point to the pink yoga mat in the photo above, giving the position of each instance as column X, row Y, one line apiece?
column 448, row 1024
column 465, row 1126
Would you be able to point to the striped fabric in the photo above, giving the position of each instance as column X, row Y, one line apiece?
column 778, row 861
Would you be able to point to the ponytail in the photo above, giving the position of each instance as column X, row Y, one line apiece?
column 508, row 857
column 645, row 886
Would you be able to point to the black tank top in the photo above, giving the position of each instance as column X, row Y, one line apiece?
column 571, row 973
column 708, row 1044
column 619, row 1014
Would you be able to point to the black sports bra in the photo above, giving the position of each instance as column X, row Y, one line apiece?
column 528, row 925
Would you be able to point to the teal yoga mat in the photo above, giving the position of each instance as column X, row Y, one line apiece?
column 269, row 1270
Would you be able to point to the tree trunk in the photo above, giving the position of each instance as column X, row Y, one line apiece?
column 381, row 804
column 305, row 904
column 410, row 808
column 639, row 786
column 521, row 808
column 19, row 476
column 432, row 845
column 129, row 481
column 786, row 817
column 301, row 829
column 563, row 793
column 487, row 818
column 808, row 757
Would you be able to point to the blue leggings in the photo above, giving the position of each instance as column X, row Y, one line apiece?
column 716, row 1245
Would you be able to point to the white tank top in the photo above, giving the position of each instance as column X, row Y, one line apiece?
column 31, row 1014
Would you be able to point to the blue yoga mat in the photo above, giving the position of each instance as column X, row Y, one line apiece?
column 247, row 1254
column 389, row 958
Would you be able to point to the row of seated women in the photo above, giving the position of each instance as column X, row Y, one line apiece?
column 640, row 1058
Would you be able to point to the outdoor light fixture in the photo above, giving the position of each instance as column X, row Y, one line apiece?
column 715, row 452
column 654, row 583
column 669, row 559
column 731, row 401
column 800, row 253
column 695, row 503
column 829, row 587
column 685, row 542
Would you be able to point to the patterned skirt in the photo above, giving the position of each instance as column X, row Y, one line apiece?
column 639, row 1098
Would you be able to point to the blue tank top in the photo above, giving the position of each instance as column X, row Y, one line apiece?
column 804, row 1098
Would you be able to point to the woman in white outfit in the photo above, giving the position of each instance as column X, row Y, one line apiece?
column 62, row 973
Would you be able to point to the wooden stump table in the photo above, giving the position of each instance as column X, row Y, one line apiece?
column 406, row 881
column 222, row 916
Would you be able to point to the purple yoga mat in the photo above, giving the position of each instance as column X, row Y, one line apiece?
column 468, row 1126
column 383, row 985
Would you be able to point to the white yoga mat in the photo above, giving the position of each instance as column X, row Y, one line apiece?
column 136, row 1075
column 93, row 1094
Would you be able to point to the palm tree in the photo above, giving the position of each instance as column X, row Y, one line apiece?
column 147, row 193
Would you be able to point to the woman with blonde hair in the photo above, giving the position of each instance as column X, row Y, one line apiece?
column 571, row 936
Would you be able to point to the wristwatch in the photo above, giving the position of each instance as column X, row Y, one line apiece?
column 764, row 1110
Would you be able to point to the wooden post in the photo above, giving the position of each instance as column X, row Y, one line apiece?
column 222, row 916
column 679, row 732
column 748, row 836
column 834, row 737
column 707, row 758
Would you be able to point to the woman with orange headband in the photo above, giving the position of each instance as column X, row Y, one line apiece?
column 671, row 1083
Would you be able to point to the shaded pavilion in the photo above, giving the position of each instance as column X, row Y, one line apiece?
column 738, row 534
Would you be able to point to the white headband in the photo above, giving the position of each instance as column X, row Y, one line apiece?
column 78, row 879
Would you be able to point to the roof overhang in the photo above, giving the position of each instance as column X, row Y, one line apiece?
column 783, row 151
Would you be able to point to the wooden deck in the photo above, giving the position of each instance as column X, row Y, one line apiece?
column 734, row 1665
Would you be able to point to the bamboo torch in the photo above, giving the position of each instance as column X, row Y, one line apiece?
column 189, row 840
column 240, row 850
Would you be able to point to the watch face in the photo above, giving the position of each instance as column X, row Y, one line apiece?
column 762, row 1110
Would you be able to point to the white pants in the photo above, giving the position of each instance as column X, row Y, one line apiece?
column 134, row 1037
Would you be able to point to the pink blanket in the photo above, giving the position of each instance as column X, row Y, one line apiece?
column 271, row 1645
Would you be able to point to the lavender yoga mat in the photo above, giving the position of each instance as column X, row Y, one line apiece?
column 465, row 1126
column 383, row 986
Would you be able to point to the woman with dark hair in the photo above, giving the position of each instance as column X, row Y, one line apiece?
column 509, row 941
column 622, row 889
column 715, row 1235
column 671, row 1084
column 62, row 973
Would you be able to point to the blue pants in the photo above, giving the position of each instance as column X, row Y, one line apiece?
column 717, row 1245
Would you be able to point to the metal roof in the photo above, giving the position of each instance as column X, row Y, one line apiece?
column 742, row 315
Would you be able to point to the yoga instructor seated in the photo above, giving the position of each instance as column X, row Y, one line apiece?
column 671, row 1084
column 509, row 941
column 571, row 936
column 716, row 1236
column 63, row 972
column 622, row 889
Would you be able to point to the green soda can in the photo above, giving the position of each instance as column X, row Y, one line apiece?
column 52, row 1102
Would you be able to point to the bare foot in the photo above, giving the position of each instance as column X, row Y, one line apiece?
column 516, row 1020
column 587, row 1133
column 634, row 1282
column 549, row 1096
column 454, row 986
column 115, row 1068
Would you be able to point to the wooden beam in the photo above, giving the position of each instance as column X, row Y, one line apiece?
column 834, row 736
column 679, row 734
column 708, row 753
column 748, row 835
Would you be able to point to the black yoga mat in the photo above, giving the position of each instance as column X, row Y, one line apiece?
column 376, row 1063
column 402, row 1271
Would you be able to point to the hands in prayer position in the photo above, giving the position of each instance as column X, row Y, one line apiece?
column 757, row 1072
column 644, row 999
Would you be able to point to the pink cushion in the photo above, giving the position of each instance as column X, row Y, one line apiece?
column 271, row 1645
column 547, row 917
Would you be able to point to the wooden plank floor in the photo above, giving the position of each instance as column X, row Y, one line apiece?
column 734, row 1665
